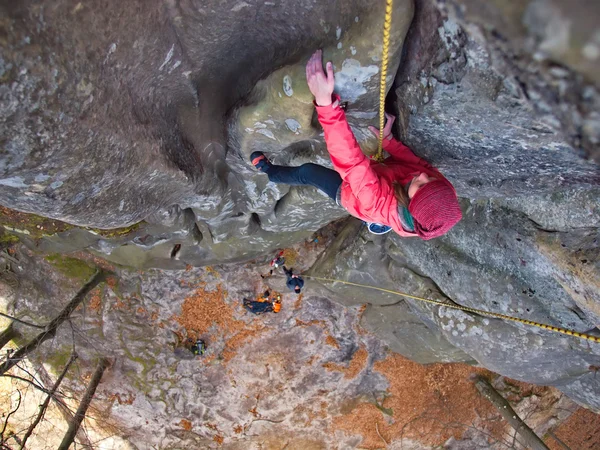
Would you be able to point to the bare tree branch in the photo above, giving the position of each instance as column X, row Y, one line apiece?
column 50, row 329
column 44, row 405
column 29, row 324
column 25, row 380
column 8, row 417
column 84, row 404
column 531, row 439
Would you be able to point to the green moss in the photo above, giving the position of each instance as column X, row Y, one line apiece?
column 58, row 358
column 32, row 224
column 116, row 232
column 71, row 267
column 8, row 239
column 38, row 226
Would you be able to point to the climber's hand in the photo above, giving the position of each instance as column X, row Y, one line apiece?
column 387, row 129
column 320, row 83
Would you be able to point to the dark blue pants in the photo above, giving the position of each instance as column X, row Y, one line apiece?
column 324, row 179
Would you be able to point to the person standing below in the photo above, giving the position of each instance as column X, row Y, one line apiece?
column 404, row 193
column 294, row 282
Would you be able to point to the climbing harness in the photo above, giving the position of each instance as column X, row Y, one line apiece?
column 467, row 309
column 387, row 25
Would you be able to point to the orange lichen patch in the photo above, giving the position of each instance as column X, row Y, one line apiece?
column 207, row 313
column 332, row 341
column 212, row 271
column 188, row 267
column 119, row 304
column 112, row 282
column 298, row 302
column 203, row 309
column 154, row 316
column 95, row 302
column 122, row 399
column 300, row 323
column 238, row 340
column 185, row 424
column 357, row 364
column 218, row 439
column 310, row 361
column 212, row 426
column 581, row 431
column 428, row 403
column 192, row 284
column 141, row 310
column 238, row 429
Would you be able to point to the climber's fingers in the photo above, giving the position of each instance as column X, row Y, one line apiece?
column 320, row 84
column 312, row 65
column 374, row 130
column 387, row 129
column 330, row 76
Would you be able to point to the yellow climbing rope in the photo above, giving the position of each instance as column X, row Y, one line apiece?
column 387, row 25
column 467, row 309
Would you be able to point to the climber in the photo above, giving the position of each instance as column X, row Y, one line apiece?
column 276, row 262
column 267, row 302
column 404, row 193
column 294, row 282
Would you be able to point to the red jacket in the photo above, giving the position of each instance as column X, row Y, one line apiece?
column 367, row 186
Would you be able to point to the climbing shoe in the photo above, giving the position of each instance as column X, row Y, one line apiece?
column 260, row 161
column 377, row 228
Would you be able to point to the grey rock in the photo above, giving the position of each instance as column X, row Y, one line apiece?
column 152, row 120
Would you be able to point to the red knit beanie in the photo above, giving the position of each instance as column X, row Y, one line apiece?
column 435, row 209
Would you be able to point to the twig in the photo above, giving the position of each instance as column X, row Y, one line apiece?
column 29, row 324
column 44, row 405
column 8, row 417
column 379, row 434
column 50, row 329
column 25, row 380
column 83, row 406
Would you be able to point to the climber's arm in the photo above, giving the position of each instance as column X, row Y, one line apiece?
column 346, row 155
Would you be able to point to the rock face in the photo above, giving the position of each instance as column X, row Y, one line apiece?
column 107, row 124
column 308, row 376
column 528, row 243
column 115, row 113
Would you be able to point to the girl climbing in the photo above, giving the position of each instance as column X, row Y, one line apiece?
column 404, row 192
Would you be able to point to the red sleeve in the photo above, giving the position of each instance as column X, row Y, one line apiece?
column 346, row 155
column 399, row 151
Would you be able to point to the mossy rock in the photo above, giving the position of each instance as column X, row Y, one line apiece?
column 31, row 224
column 71, row 267
column 8, row 239
column 116, row 232
column 38, row 226
column 58, row 358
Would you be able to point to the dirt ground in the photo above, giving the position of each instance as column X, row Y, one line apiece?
column 306, row 378
column 581, row 431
